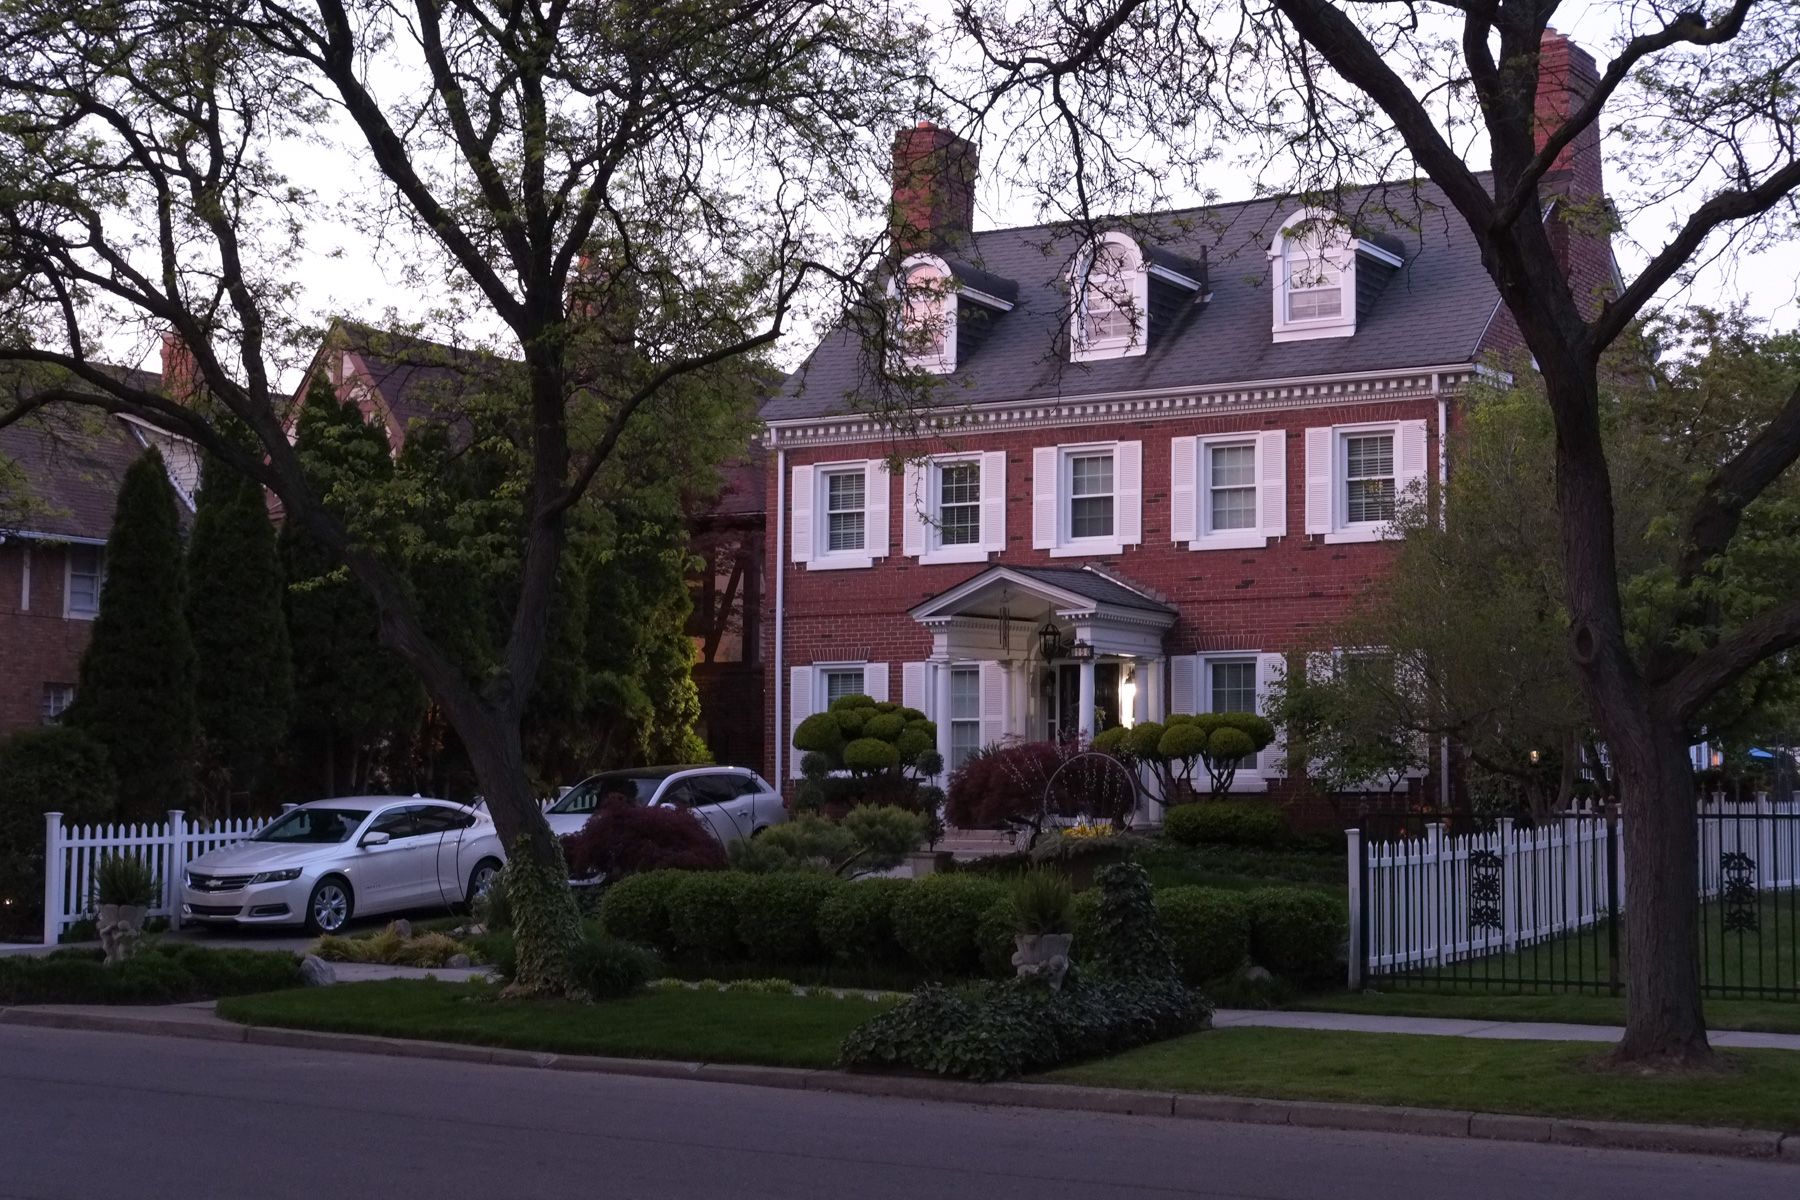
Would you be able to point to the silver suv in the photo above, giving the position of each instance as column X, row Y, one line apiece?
column 733, row 802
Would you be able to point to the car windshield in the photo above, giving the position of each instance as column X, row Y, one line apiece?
column 588, row 795
column 319, row 826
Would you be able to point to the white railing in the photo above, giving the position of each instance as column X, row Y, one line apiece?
column 1438, row 899
column 72, row 853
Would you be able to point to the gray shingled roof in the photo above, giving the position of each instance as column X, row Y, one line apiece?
column 1432, row 312
column 1094, row 586
column 73, row 461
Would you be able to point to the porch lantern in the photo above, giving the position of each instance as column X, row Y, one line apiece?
column 1050, row 642
column 1081, row 652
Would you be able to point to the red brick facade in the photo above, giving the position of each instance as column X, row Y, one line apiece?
column 38, row 645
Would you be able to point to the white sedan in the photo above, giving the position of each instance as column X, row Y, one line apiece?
column 732, row 802
column 322, row 863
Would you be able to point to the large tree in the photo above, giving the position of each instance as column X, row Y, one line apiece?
column 135, row 689
column 244, row 682
column 689, row 168
column 1117, row 97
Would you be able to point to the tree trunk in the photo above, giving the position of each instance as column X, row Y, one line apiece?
column 546, row 925
column 1664, row 1024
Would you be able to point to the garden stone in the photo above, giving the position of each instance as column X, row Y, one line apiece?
column 401, row 929
column 459, row 961
column 316, row 972
column 119, row 926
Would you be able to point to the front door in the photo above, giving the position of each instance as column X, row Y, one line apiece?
column 1060, row 698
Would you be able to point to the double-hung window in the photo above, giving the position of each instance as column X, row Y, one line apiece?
column 836, row 683
column 55, row 701
column 87, row 572
column 1231, row 685
column 958, row 490
column 1230, row 487
column 965, row 714
column 1315, row 285
column 1090, row 492
column 845, row 499
column 1369, row 481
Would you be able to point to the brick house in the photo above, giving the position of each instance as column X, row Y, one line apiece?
column 1161, row 459
column 53, row 545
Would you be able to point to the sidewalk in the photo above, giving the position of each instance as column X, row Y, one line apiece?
column 1528, row 1031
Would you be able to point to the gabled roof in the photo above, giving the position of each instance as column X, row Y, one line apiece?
column 1433, row 311
column 1069, row 589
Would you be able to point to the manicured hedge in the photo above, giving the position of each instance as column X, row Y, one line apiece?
column 856, row 922
column 637, row 908
column 1226, row 824
column 778, row 920
column 155, row 975
column 1297, row 933
column 938, row 923
column 1208, row 930
column 703, row 914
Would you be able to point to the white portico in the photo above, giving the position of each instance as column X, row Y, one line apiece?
column 1038, row 653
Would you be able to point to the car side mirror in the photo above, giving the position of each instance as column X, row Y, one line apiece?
column 374, row 838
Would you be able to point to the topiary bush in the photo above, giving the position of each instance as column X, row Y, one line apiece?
column 999, row 926
column 1297, row 933
column 856, row 922
column 703, row 914
column 778, row 921
column 1128, row 942
column 624, row 839
column 637, row 908
column 1261, row 826
column 938, row 922
column 867, row 751
column 870, row 837
column 1207, row 929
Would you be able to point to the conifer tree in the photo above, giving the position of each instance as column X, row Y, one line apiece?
column 135, row 691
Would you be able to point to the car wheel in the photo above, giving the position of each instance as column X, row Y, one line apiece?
column 481, row 879
column 329, row 907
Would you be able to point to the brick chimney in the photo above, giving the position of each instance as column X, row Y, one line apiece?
column 934, row 189
column 181, row 379
column 1580, row 224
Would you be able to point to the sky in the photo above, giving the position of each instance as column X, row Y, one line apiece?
column 343, row 271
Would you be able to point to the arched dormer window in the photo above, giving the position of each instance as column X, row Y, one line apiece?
column 1110, row 288
column 1316, row 266
column 923, row 292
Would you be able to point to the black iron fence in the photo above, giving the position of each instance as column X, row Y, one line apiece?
column 1510, row 908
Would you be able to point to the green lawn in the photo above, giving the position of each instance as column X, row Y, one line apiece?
column 1759, row 1089
column 1766, row 1016
column 705, row 1026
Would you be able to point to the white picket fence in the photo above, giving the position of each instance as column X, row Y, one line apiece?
column 71, row 854
column 1438, row 899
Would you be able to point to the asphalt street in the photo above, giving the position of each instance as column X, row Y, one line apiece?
column 94, row 1116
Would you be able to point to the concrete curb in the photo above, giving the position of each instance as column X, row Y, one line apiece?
column 1312, row 1114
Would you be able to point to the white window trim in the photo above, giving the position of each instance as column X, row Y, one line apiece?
column 1343, row 531
column 821, row 697
column 1068, row 545
column 950, row 720
column 1137, row 280
column 1230, row 539
column 823, row 557
column 936, row 552
column 69, row 612
column 1342, row 251
column 944, row 362
column 1250, row 778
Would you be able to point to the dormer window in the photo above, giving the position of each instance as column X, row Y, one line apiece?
column 1320, row 274
column 943, row 310
column 1110, row 289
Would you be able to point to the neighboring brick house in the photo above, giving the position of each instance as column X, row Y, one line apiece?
column 1162, row 460
column 727, row 532
column 53, row 545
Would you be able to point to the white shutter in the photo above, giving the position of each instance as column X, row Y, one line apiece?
column 1410, row 457
column 915, row 685
column 1184, row 684
column 800, row 706
column 993, row 703
column 1128, row 492
column 1269, row 669
column 1043, row 497
column 875, row 681
column 1271, row 470
column 914, row 507
column 800, row 510
column 993, row 500
column 875, row 508
column 1319, row 456
column 1184, row 521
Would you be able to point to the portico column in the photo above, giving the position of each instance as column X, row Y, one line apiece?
column 940, row 707
column 1086, row 711
column 1141, row 671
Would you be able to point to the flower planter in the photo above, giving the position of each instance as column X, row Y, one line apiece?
column 120, row 927
column 1042, row 956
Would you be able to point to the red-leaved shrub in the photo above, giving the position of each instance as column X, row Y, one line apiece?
column 624, row 839
column 1006, row 785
